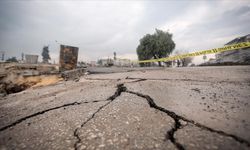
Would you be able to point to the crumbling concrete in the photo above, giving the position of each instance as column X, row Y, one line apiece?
column 74, row 74
column 15, row 77
column 68, row 57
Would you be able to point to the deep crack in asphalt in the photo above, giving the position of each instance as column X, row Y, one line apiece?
column 168, row 79
column 102, row 79
column 44, row 111
column 131, row 78
column 139, row 80
column 170, row 134
column 120, row 88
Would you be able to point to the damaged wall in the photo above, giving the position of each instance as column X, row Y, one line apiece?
column 31, row 59
column 68, row 57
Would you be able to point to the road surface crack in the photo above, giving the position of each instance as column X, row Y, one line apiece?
column 153, row 79
column 120, row 88
column 101, row 79
column 45, row 111
column 177, row 118
column 37, row 114
column 138, row 80
column 170, row 134
column 143, row 79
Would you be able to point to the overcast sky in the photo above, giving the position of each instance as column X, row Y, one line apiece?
column 99, row 28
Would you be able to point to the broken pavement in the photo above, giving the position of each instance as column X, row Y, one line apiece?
column 181, row 108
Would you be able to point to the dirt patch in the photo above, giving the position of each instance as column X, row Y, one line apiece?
column 48, row 80
column 14, row 83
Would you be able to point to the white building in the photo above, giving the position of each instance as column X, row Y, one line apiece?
column 122, row 62
column 106, row 62
column 235, row 56
column 31, row 59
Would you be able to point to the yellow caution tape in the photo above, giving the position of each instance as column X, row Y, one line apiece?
column 202, row 52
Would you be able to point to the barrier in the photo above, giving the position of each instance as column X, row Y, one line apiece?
column 202, row 52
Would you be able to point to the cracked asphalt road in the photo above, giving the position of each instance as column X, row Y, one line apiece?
column 171, row 108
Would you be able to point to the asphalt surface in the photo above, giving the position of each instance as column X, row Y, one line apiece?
column 114, row 69
column 168, row 108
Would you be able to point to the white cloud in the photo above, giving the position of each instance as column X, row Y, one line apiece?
column 99, row 28
column 189, row 29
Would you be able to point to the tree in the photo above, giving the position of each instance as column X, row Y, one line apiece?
column 157, row 45
column 45, row 54
column 99, row 62
column 12, row 59
column 184, row 61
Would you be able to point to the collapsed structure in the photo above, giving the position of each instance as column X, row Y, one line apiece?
column 31, row 59
column 16, row 77
column 241, row 56
column 68, row 57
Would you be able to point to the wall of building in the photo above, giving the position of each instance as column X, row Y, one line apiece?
column 73, row 74
column 68, row 57
column 122, row 63
column 31, row 59
column 235, row 56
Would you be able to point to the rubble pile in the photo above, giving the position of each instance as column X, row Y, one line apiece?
column 18, row 77
column 17, row 83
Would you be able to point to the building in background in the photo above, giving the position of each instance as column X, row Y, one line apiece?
column 241, row 56
column 122, row 62
column 105, row 62
column 68, row 57
column 118, row 62
column 92, row 63
column 31, row 59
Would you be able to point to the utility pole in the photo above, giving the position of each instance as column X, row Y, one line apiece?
column 114, row 55
column 22, row 56
column 2, row 55
column 204, row 57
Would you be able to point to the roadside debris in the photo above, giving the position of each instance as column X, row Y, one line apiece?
column 17, row 83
